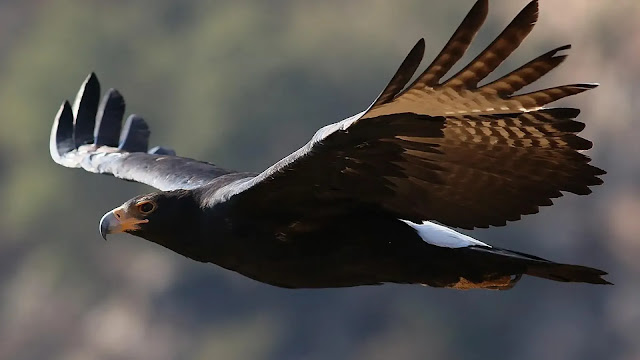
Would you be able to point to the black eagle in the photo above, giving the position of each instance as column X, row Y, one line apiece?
column 362, row 202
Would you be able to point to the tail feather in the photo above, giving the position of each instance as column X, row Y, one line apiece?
column 542, row 268
column 567, row 273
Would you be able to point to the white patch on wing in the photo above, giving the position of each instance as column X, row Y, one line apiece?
column 443, row 236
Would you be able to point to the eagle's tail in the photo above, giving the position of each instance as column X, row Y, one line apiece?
column 542, row 268
column 567, row 273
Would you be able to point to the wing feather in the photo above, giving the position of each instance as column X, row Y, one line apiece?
column 135, row 135
column 403, row 75
column 455, row 47
column 460, row 93
column 498, row 51
column 541, row 98
column 109, row 119
column 90, row 135
column 84, row 110
column 526, row 74
column 455, row 152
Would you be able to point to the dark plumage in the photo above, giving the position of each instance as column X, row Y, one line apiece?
column 347, row 208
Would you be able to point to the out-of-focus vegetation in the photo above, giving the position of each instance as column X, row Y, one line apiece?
column 242, row 84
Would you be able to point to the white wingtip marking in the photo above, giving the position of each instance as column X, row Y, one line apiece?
column 443, row 236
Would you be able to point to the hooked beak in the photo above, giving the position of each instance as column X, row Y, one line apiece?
column 118, row 221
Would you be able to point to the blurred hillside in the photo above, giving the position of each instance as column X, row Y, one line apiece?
column 242, row 84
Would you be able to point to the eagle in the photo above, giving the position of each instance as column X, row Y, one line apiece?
column 373, row 198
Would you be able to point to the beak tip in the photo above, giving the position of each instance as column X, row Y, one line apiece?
column 105, row 225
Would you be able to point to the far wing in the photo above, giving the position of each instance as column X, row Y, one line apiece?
column 455, row 152
column 90, row 135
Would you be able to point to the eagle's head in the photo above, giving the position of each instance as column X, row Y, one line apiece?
column 168, row 218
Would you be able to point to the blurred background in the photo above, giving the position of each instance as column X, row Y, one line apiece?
column 242, row 84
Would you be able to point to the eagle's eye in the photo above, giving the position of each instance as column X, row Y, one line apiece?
column 146, row 207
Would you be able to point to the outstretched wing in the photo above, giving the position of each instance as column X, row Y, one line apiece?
column 90, row 135
column 455, row 152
